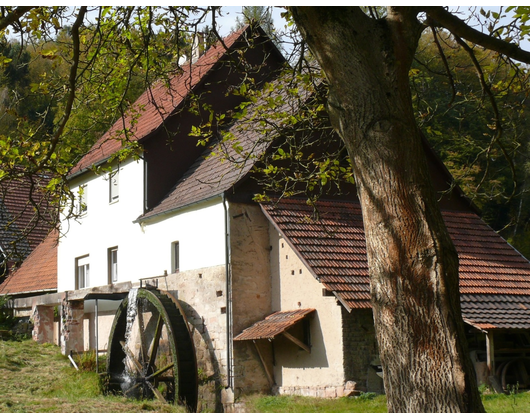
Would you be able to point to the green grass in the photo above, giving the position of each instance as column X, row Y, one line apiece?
column 298, row 404
column 493, row 403
column 38, row 379
column 501, row 403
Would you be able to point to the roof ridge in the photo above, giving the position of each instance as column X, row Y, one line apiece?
column 156, row 104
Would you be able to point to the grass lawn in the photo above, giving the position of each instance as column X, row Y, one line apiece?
column 493, row 403
column 38, row 379
column 367, row 403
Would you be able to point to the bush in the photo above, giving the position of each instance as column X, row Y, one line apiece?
column 7, row 320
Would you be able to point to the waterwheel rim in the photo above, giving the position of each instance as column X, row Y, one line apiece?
column 151, row 352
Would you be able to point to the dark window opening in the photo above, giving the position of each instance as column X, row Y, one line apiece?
column 175, row 257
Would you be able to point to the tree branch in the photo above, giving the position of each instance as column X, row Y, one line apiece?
column 446, row 65
column 72, row 80
column 496, row 138
column 458, row 27
column 14, row 16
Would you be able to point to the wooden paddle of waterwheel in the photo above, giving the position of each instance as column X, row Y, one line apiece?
column 151, row 351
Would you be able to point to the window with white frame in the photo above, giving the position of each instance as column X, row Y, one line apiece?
column 82, row 273
column 113, row 264
column 82, row 200
column 175, row 257
column 114, row 183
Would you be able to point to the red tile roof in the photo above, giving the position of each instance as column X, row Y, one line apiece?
column 26, row 216
column 220, row 168
column 494, row 277
column 273, row 325
column 38, row 273
column 214, row 172
column 154, row 106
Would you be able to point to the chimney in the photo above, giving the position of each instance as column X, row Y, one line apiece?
column 198, row 46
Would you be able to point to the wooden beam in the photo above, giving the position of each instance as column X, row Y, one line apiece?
column 270, row 375
column 297, row 342
column 490, row 353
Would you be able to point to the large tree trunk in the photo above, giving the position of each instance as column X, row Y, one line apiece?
column 413, row 263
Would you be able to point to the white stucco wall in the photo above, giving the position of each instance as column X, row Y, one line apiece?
column 144, row 250
column 295, row 287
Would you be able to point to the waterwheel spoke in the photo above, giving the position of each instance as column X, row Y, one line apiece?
column 154, row 346
column 133, row 359
column 157, row 393
column 141, row 332
column 132, row 388
column 160, row 371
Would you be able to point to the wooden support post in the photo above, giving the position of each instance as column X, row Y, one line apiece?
column 270, row 375
column 490, row 353
column 297, row 342
column 490, row 361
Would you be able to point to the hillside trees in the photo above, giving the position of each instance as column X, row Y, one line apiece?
column 68, row 77
column 366, row 58
column 458, row 114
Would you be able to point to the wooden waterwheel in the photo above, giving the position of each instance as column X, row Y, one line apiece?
column 151, row 352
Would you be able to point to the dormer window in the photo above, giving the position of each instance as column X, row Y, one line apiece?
column 114, row 183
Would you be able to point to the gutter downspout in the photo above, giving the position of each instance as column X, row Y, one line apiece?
column 229, row 323
column 97, row 338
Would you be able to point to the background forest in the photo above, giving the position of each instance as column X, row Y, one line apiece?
column 476, row 121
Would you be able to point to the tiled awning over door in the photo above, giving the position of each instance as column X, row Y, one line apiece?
column 273, row 325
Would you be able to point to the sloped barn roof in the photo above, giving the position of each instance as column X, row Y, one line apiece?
column 38, row 273
column 494, row 277
column 25, row 215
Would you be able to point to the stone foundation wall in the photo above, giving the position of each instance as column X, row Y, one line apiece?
column 360, row 350
column 43, row 325
column 202, row 295
column 318, row 392
column 72, row 314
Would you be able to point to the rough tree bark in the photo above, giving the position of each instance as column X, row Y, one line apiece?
column 413, row 263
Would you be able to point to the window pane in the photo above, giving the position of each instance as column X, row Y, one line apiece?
column 113, row 265
column 176, row 257
column 82, row 272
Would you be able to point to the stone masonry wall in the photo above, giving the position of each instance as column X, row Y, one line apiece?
column 43, row 325
column 202, row 295
column 251, row 290
column 360, row 350
column 72, row 314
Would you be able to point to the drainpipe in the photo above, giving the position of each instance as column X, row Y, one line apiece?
column 229, row 342
column 97, row 338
